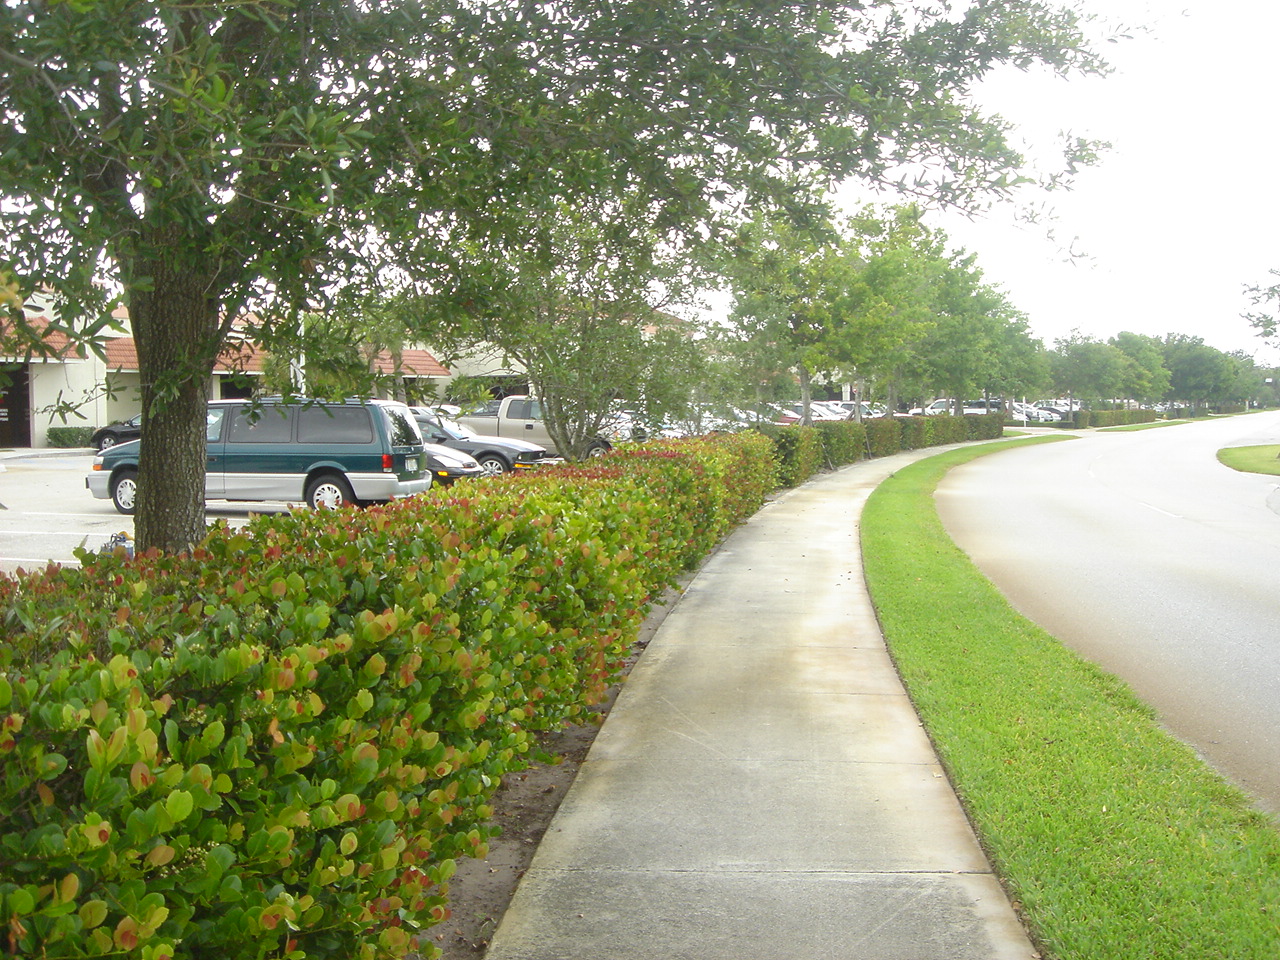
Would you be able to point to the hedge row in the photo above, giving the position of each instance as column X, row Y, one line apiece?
column 1114, row 418
column 69, row 437
column 802, row 451
column 280, row 744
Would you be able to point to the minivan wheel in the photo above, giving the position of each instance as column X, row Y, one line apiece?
column 493, row 465
column 328, row 492
column 124, row 491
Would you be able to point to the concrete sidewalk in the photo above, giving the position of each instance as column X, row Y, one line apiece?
column 762, row 789
column 36, row 453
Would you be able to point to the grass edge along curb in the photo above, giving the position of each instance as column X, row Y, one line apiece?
column 1256, row 459
column 1113, row 838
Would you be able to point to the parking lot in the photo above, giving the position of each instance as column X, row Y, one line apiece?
column 46, row 512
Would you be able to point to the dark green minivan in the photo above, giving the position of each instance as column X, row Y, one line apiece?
column 319, row 452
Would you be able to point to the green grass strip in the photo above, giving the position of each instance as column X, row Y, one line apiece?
column 1252, row 459
column 1114, row 838
column 1131, row 427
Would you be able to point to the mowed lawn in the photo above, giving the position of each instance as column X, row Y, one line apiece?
column 1113, row 838
column 1264, row 459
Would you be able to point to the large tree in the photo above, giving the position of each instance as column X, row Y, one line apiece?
column 1144, row 377
column 835, row 298
column 199, row 159
column 1198, row 373
column 582, row 308
column 1086, row 368
column 1021, row 367
column 960, row 355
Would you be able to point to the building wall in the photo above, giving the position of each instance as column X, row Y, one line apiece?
column 126, row 396
column 66, row 381
column 484, row 361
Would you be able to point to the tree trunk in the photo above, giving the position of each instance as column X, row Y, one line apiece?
column 176, row 328
column 806, row 395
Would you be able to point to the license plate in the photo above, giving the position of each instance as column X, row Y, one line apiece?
column 411, row 464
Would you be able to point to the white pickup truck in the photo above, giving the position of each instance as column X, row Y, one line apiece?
column 521, row 418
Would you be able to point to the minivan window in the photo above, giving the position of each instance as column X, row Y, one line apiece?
column 213, row 423
column 334, row 425
column 262, row 424
column 404, row 430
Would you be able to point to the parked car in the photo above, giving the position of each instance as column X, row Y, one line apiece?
column 122, row 431
column 850, row 408
column 936, row 408
column 324, row 454
column 622, row 426
column 496, row 455
column 969, row 408
column 819, row 410
column 1025, row 411
column 447, row 465
column 830, row 410
column 1065, row 409
column 978, row 407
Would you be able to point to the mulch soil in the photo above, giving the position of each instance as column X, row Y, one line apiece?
column 524, row 806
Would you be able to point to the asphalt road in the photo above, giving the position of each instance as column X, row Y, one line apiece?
column 46, row 511
column 1154, row 561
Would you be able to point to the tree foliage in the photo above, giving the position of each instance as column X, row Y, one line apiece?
column 576, row 310
column 1144, row 376
column 1198, row 373
column 959, row 357
column 842, row 298
column 196, row 159
column 1264, row 299
column 1086, row 368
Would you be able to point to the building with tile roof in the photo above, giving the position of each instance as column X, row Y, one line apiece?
column 106, row 389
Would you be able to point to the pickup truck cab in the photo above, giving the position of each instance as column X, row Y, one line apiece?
column 520, row 418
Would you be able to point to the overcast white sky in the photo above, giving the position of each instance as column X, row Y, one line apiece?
column 1185, row 208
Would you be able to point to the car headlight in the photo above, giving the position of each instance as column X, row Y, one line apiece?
column 456, row 461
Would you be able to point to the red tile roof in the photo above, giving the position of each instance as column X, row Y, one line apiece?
column 58, row 343
column 416, row 363
column 122, row 354
column 245, row 357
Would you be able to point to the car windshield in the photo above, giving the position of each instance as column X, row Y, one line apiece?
column 456, row 430
column 434, row 426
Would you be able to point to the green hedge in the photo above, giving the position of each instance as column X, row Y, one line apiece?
column 843, row 442
column 984, row 427
column 798, row 451
column 914, row 433
column 801, row 451
column 1119, row 418
column 280, row 744
column 65, row 437
column 886, row 435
